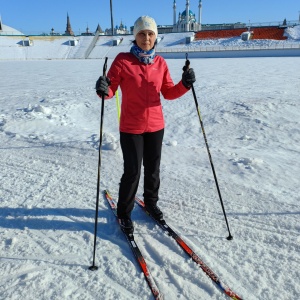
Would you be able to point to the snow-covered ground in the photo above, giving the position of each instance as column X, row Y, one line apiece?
column 49, row 137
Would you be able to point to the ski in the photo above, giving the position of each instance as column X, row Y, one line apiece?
column 136, row 251
column 162, row 224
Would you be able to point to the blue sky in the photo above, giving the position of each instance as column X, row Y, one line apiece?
column 41, row 16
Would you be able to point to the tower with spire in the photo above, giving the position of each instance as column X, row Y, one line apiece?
column 69, row 30
column 99, row 30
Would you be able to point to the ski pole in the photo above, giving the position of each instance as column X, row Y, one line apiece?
column 94, row 267
column 186, row 67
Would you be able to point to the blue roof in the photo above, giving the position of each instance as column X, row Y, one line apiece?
column 190, row 13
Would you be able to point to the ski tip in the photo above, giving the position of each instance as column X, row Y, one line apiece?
column 106, row 192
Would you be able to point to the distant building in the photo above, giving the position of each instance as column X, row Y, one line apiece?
column 187, row 19
column 99, row 30
column 53, row 32
column 69, row 30
column 87, row 32
column 122, row 29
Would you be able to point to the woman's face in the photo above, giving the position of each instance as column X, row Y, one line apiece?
column 145, row 39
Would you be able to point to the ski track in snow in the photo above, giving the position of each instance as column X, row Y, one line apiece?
column 49, row 132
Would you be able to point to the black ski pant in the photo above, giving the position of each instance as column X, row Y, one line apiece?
column 138, row 148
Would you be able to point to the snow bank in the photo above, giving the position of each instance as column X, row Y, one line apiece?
column 293, row 33
column 58, row 47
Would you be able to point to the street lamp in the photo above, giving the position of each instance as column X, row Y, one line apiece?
column 111, row 18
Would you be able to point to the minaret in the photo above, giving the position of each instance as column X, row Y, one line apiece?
column 69, row 30
column 174, row 12
column 187, row 15
column 200, row 14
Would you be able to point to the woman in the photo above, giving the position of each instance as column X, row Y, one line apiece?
column 142, row 76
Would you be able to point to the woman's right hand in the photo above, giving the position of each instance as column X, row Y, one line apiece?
column 102, row 85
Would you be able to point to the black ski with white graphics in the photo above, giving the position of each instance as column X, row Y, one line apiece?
column 136, row 251
column 207, row 270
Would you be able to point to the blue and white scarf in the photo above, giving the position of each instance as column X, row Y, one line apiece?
column 145, row 57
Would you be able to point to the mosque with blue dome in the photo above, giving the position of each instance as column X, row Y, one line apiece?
column 187, row 20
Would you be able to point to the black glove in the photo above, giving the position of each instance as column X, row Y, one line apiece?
column 188, row 77
column 102, row 85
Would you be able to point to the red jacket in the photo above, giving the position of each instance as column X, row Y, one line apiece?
column 141, row 85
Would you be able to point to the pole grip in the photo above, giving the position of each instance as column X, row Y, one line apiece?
column 187, row 63
column 105, row 66
column 104, row 74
